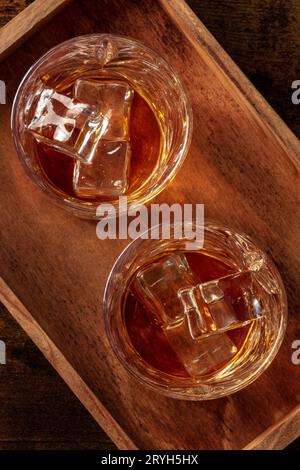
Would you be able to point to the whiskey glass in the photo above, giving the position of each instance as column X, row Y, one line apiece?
column 195, row 324
column 104, row 57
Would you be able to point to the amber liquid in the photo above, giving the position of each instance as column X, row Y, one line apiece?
column 145, row 140
column 146, row 334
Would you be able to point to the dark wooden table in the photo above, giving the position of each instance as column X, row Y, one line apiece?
column 38, row 411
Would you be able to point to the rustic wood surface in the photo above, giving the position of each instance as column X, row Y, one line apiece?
column 262, row 37
column 9, row 9
column 23, row 25
column 284, row 257
column 38, row 411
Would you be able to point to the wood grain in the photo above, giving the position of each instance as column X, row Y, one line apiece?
column 63, row 367
column 38, row 410
column 245, row 175
column 10, row 9
column 207, row 46
column 24, row 24
column 262, row 37
column 280, row 434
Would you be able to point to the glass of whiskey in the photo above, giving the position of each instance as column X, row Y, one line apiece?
column 195, row 324
column 100, row 116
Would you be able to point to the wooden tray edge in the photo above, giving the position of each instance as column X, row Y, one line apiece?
column 26, row 23
column 64, row 368
column 202, row 40
column 279, row 435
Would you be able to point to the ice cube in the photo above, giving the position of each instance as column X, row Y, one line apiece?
column 196, row 317
column 158, row 284
column 169, row 289
column 194, row 310
column 233, row 300
column 211, row 291
column 200, row 356
column 112, row 100
column 69, row 126
column 107, row 174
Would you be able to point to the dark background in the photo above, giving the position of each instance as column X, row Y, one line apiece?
column 37, row 410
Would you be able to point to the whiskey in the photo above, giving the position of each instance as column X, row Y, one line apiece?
column 145, row 139
column 146, row 332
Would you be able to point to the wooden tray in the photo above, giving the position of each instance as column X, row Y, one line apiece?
column 243, row 164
